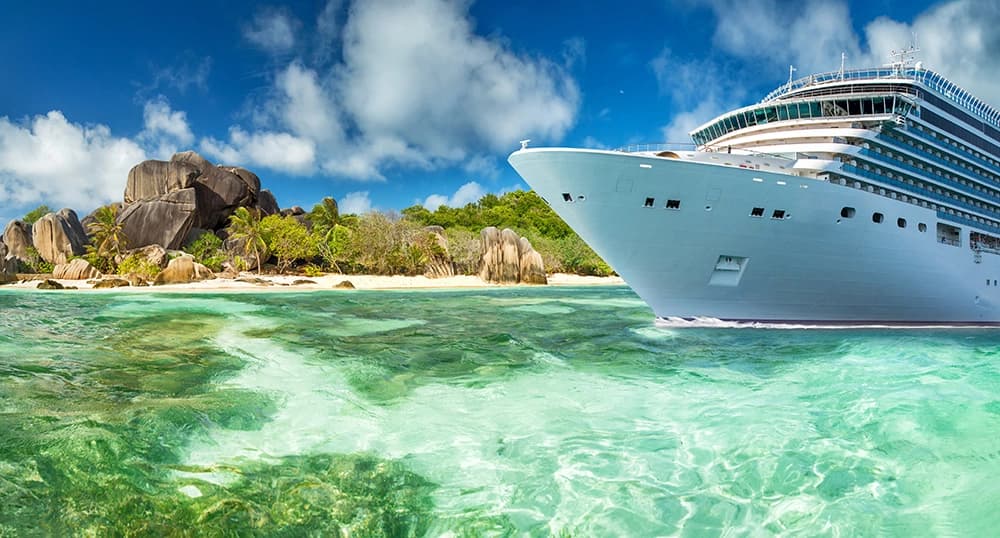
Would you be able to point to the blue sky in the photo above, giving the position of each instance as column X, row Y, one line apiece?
column 385, row 104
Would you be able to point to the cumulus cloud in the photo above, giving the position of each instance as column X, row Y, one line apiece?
column 466, row 194
column 355, row 202
column 272, row 30
column 165, row 131
column 275, row 150
column 49, row 159
column 957, row 39
column 416, row 87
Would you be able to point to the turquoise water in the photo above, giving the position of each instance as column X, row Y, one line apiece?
column 506, row 412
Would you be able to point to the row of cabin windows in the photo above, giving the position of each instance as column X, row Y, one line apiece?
column 988, row 282
column 979, row 161
column 878, row 218
column 671, row 204
column 909, row 197
column 983, row 176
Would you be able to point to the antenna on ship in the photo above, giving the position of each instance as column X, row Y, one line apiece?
column 791, row 69
column 843, row 60
column 903, row 58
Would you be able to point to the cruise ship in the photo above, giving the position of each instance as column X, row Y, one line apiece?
column 867, row 196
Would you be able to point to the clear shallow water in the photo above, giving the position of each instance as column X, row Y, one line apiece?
column 503, row 412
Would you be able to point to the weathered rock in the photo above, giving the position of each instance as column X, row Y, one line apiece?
column 152, row 179
column 509, row 259
column 266, row 203
column 532, row 268
column 165, row 220
column 76, row 269
column 154, row 254
column 8, row 266
column 255, row 280
column 59, row 236
column 136, row 280
column 181, row 270
column 17, row 237
column 302, row 282
column 220, row 190
column 344, row 284
column 439, row 262
column 90, row 219
column 49, row 284
column 293, row 211
column 111, row 283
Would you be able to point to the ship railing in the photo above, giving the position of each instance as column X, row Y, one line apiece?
column 667, row 146
column 659, row 146
column 979, row 160
column 911, row 189
column 948, row 165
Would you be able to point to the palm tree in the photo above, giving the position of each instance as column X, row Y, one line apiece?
column 244, row 226
column 324, row 216
column 107, row 237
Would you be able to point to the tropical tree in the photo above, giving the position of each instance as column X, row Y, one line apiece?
column 324, row 216
column 107, row 240
column 288, row 240
column 245, row 227
column 36, row 214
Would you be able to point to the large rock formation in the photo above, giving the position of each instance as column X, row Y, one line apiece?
column 181, row 270
column 165, row 220
column 59, row 236
column 509, row 259
column 8, row 266
column 153, row 254
column 266, row 203
column 76, row 269
column 92, row 217
column 152, row 179
column 439, row 263
column 166, row 199
column 17, row 237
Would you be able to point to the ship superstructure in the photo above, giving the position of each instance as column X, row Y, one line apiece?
column 867, row 195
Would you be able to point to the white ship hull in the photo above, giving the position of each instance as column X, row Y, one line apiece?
column 711, row 258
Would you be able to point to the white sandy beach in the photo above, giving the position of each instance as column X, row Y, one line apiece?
column 330, row 281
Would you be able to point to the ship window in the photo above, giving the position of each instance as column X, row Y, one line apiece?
column 854, row 107
column 757, row 212
column 877, row 218
column 922, row 227
column 778, row 214
column 793, row 111
column 567, row 197
column 649, row 202
column 879, row 104
column 782, row 112
column 673, row 204
column 866, row 106
column 901, row 222
column 847, row 212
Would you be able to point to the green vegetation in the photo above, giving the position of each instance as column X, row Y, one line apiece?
column 245, row 227
column 35, row 214
column 207, row 250
column 107, row 240
column 528, row 215
column 288, row 240
column 35, row 263
column 139, row 265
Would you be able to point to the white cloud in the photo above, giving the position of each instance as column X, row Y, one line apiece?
column 165, row 131
column 415, row 87
column 328, row 30
column 272, row 30
column 957, row 39
column 275, row 150
column 466, row 194
column 48, row 159
column 355, row 202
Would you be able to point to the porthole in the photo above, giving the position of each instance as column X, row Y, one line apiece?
column 901, row 222
column 877, row 218
column 847, row 212
column 922, row 227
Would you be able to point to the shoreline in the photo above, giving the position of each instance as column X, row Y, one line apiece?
column 286, row 283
